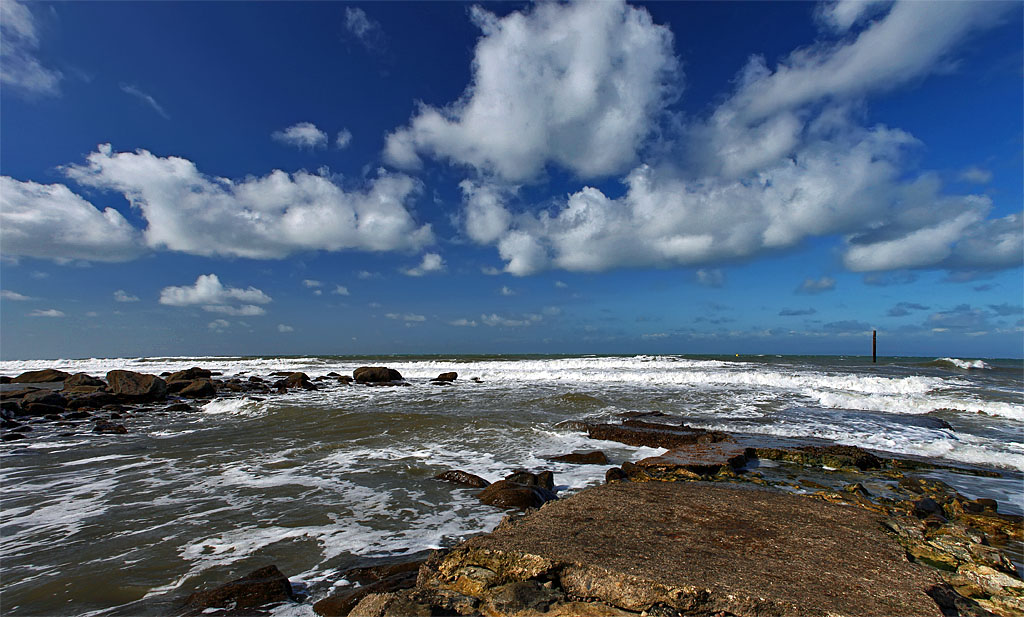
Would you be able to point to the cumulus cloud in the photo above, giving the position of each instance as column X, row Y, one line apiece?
column 579, row 85
column 406, row 317
column 267, row 217
column 284, row 328
column 816, row 286
column 343, row 139
column 302, row 135
column 48, row 221
column 340, row 290
column 780, row 160
column 712, row 277
column 218, row 324
column 145, row 98
column 46, row 313
column 463, row 322
column 977, row 175
column 7, row 294
column 311, row 283
column 123, row 296
column 214, row 297
column 19, row 40
column 432, row 262
column 497, row 320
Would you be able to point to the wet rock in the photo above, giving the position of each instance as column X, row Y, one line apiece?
column 345, row 379
column 43, row 376
column 615, row 474
column 83, row 379
column 105, row 427
column 264, row 586
column 382, row 579
column 926, row 507
column 199, row 388
column 457, row 476
column 44, row 397
column 12, row 436
column 595, row 457
column 6, row 379
column 699, row 459
column 39, row 410
column 190, row 374
column 451, row 376
column 376, row 374
column 255, row 379
column 507, row 494
column 93, row 400
column 136, row 386
column 544, row 479
column 836, row 457
column 180, row 407
column 639, row 433
column 77, row 415
column 296, row 381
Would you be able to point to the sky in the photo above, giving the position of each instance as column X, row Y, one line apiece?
column 258, row 178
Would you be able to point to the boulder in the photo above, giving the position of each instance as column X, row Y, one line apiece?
column 836, row 457
column 109, row 428
column 94, row 400
column 595, row 457
column 43, row 376
column 615, row 474
column 295, row 381
column 507, row 494
column 40, row 410
column 339, row 604
column 654, row 435
column 44, row 397
column 451, row 376
column 136, row 386
column 199, row 388
column 699, row 459
column 345, row 379
column 376, row 374
column 82, row 379
column 264, row 586
column 544, row 479
column 190, row 374
column 12, row 436
column 464, row 478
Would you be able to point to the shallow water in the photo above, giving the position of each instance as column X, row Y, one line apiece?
column 317, row 482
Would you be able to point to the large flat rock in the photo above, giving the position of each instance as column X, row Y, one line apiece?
column 699, row 458
column 699, row 548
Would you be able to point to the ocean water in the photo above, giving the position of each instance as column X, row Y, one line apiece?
column 319, row 482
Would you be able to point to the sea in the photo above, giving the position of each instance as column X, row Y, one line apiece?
column 317, row 482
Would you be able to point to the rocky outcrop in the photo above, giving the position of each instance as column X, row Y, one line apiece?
column 376, row 374
column 457, row 476
column 43, row 376
column 654, row 435
column 259, row 588
column 295, row 381
column 719, row 550
column 836, row 457
column 595, row 457
column 699, row 459
column 136, row 386
column 446, row 377
column 510, row 494
column 373, row 580
column 82, row 379
column 199, row 388
column 190, row 374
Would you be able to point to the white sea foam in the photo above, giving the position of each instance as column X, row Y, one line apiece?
column 237, row 406
column 965, row 364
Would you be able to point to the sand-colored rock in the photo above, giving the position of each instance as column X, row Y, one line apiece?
column 697, row 548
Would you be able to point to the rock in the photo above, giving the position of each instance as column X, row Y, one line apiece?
column 390, row 605
column 43, row 376
column 136, row 386
column 544, row 479
column 199, row 388
column 12, row 436
column 345, row 379
column 180, row 407
column 376, row 374
column 639, row 433
column 39, row 410
column 109, row 428
column 464, row 478
column 452, row 376
column 6, row 379
column 93, row 400
column 44, row 397
column 401, row 576
column 296, row 380
column 82, row 379
column 836, row 457
column 693, row 548
column 926, row 507
column 190, row 374
column 507, row 494
column 264, row 586
column 595, row 457
column 699, row 458
column 615, row 475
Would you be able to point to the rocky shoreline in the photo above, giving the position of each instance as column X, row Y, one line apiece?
column 717, row 524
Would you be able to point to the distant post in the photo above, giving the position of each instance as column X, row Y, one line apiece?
column 874, row 346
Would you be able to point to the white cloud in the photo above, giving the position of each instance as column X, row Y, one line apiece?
column 367, row 31
column 340, row 290
column 214, row 297
column 579, row 85
column 816, row 286
column 284, row 328
column 123, row 296
column 486, row 218
column 366, row 275
column 302, row 135
column 506, row 291
column 432, row 262
column 977, row 175
column 710, row 277
column 497, row 320
column 7, row 294
column 267, row 217
column 19, row 68
column 343, row 139
column 406, row 317
column 218, row 324
column 312, row 283
column 841, row 15
column 463, row 322
column 46, row 313
column 561, row 285
column 145, row 98
column 48, row 221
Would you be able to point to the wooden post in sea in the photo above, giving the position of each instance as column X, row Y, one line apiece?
column 874, row 346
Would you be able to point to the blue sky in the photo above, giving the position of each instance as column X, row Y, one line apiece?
column 674, row 177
